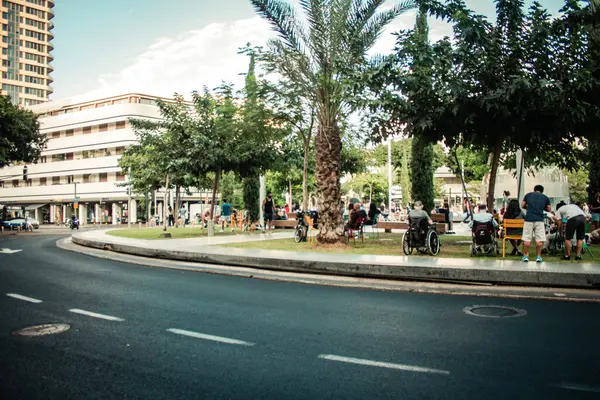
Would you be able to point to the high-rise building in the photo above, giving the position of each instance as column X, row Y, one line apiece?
column 26, row 50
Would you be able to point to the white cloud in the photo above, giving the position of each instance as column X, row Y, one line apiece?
column 208, row 56
column 188, row 62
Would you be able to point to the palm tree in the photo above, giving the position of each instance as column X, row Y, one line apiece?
column 316, row 50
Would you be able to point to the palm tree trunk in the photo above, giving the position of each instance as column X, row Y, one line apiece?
column 214, row 194
column 328, row 148
column 493, row 172
column 305, row 177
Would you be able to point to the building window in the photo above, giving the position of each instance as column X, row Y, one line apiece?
column 55, row 135
column 119, row 150
column 43, row 160
column 85, row 154
column 121, row 125
column 104, row 177
column 103, row 127
column 120, row 177
column 86, row 178
column 42, row 181
column 70, row 179
column 1, row 184
column 58, row 157
column 69, row 132
column 70, row 156
column 87, row 129
column 56, row 180
column 15, row 183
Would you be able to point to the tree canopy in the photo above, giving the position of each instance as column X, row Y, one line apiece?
column 20, row 140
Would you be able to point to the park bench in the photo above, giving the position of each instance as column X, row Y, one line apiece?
column 440, row 219
column 284, row 223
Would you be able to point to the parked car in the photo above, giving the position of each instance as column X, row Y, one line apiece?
column 22, row 222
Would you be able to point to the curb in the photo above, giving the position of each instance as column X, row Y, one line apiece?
column 579, row 276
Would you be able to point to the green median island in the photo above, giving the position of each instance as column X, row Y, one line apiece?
column 390, row 244
column 176, row 233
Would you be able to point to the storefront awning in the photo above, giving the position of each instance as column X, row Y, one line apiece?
column 34, row 206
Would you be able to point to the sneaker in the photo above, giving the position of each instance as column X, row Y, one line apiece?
column 579, row 257
column 525, row 259
column 566, row 258
column 539, row 260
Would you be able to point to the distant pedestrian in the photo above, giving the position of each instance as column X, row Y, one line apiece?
column 575, row 218
column 171, row 217
column 535, row 203
column 467, row 210
column 268, row 212
column 595, row 211
column 225, row 215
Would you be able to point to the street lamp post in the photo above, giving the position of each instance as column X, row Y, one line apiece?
column 389, row 174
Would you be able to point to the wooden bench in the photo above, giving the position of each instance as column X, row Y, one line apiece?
column 284, row 223
column 389, row 225
column 441, row 219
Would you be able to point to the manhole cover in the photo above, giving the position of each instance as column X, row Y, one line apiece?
column 41, row 330
column 494, row 311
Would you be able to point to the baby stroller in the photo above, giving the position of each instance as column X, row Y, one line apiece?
column 422, row 237
column 301, row 232
column 484, row 239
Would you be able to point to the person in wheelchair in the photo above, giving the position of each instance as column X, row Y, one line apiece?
column 484, row 228
column 421, row 233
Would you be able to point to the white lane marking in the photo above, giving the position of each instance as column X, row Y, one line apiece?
column 9, row 251
column 25, row 298
column 403, row 367
column 581, row 388
column 209, row 337
column 95, row 315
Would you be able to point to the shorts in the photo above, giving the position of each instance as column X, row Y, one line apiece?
column 268, row 217
column 226, row 218
column 535, row 230
column 575, row 225
column 595, row 217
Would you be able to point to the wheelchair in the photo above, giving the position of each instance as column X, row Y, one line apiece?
column 422, row 237
column 484, row 239
column 302, row 228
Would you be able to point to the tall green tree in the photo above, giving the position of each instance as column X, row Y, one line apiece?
column 422, row 146
column 20, row 139
column 317, row 50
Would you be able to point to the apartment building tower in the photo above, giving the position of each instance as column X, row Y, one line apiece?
column 26, row 50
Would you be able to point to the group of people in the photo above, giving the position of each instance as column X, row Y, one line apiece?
column 357, row 214
column 542, row 225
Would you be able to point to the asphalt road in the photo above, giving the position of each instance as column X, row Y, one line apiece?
column 151, row 333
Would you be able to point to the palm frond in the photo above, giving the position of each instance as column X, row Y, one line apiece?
column 317, row 13
column 282, row 17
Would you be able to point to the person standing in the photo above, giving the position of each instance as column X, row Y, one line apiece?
column 467, row 210
column 575, row 218
column 535, row 203
column 268, row 212
column 595, row 211
column 225, row 215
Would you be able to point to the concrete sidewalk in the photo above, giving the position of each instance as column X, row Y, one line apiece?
column 206, row 250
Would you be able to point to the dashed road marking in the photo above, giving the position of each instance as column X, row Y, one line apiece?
column 381, row 364
column 580, row 388
column 95, row 315
column 209, row 337
column 24, row 298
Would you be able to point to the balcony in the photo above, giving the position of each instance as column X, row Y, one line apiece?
column 91, row 141
column 64, row 193
column 65, row 168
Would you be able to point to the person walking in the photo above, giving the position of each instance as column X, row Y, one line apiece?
column 268, row 212
column 467, row 210
column 225, row 215
column 535, row 203
column 575, row 218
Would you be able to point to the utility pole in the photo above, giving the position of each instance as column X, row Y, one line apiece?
column 129, row 198
column 390, row 175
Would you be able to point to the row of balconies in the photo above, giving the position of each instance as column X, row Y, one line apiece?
column 64, row 168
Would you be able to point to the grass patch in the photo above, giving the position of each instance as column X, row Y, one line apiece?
column 390, row 244
column 176, row 233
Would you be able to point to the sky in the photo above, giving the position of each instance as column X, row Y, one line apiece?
column 159, row 47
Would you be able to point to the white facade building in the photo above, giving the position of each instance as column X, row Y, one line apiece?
column 85, row 143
